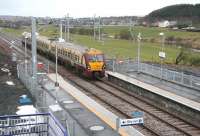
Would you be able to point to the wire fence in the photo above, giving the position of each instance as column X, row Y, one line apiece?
column 127, row 66
column 45, row 96
column 42, row 124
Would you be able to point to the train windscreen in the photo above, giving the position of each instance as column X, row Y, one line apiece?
column 95, row 58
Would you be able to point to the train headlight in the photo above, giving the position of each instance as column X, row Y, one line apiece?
column 88, row 67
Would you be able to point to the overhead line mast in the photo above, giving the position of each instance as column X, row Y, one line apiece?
column 94, row 28
column 99, row 28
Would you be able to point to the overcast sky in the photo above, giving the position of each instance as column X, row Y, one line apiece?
column 84, row 8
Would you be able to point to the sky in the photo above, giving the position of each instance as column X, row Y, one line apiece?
column 84, row 8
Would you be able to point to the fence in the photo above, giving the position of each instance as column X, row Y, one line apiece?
column 44, row 97
column 43, row 124
column 128, row 66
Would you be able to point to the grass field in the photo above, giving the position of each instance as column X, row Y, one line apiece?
column 122, row 48
column 151, row 32
column 126, row 49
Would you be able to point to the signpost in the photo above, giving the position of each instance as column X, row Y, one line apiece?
column 129, row 122
column 162, row 54
column 137, row 120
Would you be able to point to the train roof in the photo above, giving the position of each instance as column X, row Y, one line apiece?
column 67, row 45
column 71, row 46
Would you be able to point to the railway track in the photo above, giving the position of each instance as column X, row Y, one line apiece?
column 122, row 103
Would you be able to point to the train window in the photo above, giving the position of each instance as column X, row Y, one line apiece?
column 53, row 48
column 83, row 60
column 78, row 59
column 98, row 57
column 59, row 50
column 64, row 52
column 69, row 54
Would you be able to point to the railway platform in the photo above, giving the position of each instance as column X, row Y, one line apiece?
column 161, row 96
column 81, row 115
column 98, row 113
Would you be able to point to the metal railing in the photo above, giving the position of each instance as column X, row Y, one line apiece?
column 42, row 124
column 127, row 66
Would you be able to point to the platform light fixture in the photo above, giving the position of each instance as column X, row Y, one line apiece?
column 162, row 53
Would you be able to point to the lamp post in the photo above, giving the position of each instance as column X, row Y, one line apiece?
column 138, row 52
column 56, row 55
column 56, row 83
column 25, row 51
column 162, row 53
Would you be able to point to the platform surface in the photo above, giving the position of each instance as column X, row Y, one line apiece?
column 105, row 115
column 162, row 92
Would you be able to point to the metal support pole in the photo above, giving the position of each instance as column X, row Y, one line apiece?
column 138, row 52
column 25, row 62
column 94, row 29
column 48, row 66
column 56, row 83
column 99, row 28
column 117, row 124
column 182, row 74
column 65, row 30
column 163, row 44
column 68, row 27
column 113, row 66
column 34, row 56
column 61, row 29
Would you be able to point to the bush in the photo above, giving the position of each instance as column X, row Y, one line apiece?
column 194, row 60
column 124, row 34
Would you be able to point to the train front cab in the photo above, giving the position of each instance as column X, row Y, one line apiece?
column 95, row 65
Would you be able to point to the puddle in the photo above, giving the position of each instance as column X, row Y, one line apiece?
column 5, row 70
column 9, row 83
column 96, row 128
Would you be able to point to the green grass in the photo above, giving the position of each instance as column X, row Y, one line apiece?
column 122, row 48
column 151, row 32
column 127, row 49
column 16, row 32
column 49, row 31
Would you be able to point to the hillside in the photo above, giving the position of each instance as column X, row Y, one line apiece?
column 174, row 12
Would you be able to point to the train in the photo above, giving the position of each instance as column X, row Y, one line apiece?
column 89, row 62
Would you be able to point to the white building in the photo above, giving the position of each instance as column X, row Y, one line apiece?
column 167, row 23
column 163, row 23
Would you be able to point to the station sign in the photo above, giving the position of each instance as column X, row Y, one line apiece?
column 130, row 122
column 162, row 54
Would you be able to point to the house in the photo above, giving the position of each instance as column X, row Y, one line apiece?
column 163, row 23
column 167, row 23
